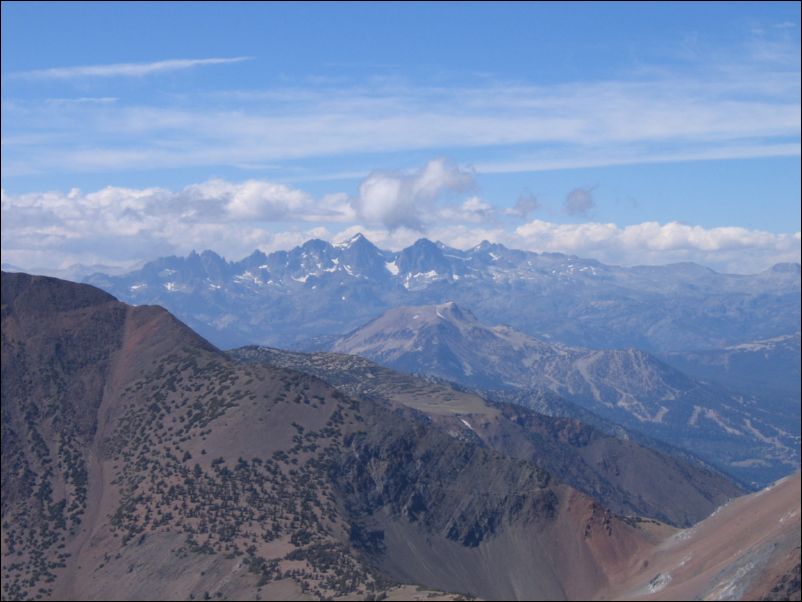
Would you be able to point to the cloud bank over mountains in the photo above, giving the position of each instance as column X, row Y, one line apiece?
column 438, row 200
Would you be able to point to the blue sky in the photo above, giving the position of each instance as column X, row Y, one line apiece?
column 627, row 132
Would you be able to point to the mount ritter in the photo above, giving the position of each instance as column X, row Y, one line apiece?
column 342, row 422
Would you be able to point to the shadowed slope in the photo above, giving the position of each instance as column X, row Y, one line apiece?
column 621, row 474
column 141, row 463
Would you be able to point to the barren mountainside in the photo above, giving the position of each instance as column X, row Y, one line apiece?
column 613, row 468
column 747, row 550
column 754, row 439
column 140, row 462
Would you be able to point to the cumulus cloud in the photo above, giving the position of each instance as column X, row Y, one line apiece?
column 732, row 249
column 409, row 199
column 116, row 225
column 254, row 199
column 579, row 201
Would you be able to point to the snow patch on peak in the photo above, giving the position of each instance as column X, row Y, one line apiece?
column 247, row 276
column 346, row 244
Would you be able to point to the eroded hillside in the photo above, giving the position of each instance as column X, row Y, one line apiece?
column 140, row 462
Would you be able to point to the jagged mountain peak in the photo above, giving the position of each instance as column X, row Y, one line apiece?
column 316, row 244
column 278, row 298
column 424, row 261
column 257, row 255
column 486, row 245
column 421, row 248
column 357, row 240
column 423, row 244
column 453, row 310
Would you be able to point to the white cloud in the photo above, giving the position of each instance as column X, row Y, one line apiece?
column 472, row 210
column 731, row 249
column 124, row 69
column 254, row 199
column 116, row 225
column 440, row 175
column 475, row 209
column 408, row 199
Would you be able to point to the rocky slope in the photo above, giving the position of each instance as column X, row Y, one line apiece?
column 139, row 462
column 288, row 298
column 747, row 550
column 613, row 468
column 754, row 440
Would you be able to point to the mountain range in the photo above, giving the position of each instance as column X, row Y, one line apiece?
column 699, row 359
column 757, row 440
column 141, row 462
column 304, row 298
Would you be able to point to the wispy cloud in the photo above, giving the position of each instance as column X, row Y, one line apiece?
column 96, row 100
column 533, row 127
column 123, row 69
column 604, row 157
